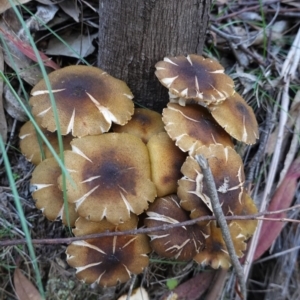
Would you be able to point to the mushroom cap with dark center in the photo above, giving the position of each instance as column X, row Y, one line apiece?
column 109, row 260
column 195, row 77
column 237, row 118
column 88, row 100
column 215, row 251
column 111, row 173
column 166, row 160
column 48, row 196
column 29, row 143
column 181, row 243
column 192, row 126
column 228, row 172
column 144, row 124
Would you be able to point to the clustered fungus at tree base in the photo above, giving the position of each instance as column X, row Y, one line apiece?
column 123, row 161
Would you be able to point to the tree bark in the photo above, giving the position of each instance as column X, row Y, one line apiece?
column 134, row 35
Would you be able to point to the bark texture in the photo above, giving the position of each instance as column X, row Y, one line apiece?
column 134, row 35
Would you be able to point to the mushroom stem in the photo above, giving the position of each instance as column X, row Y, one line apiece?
column 217, row 210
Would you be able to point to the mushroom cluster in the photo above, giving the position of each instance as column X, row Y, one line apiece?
column 123, row 161
column 195, row 79
column 202, row 117
column 119, row 159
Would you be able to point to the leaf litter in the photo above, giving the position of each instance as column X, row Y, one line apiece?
column 252, row 40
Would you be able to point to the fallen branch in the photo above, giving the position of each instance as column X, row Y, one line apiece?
column 54, row 241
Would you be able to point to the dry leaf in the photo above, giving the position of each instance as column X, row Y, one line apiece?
column 27, row 50
column 20, row 64
column 36, row 22
column 70, row 8
column 25, row 290
column 193, row 288
column 13, row 107
column 5, row 4
column 275, row 33
column 82, row 44
column 250, row 16
column 282, row 199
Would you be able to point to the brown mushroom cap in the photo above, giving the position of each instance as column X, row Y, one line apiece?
column 30, row 147
column 248, row 207
column 181, row 243
column 144, row 124
column 85, row 227
column 109, row 260
column 49, row 198
column 194, row 77
column 227, row 169
column 112, row 176
column 192, row 126
column 166, row 160
column 237, row 118
column 88, row 100
column 215, row 252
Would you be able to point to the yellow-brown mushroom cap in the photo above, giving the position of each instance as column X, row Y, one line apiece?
column 194, row 77
column 144, row 124
column 30, row 147
column 227, row 169
column 166, row 160
column 85, row 227
column 192, row 126
column 237, row 118
column 181, row 243
column 111, row 173
column 88, row 100
column 109, row 260
column 48, row 196
column 248, row 207
column 215, row 251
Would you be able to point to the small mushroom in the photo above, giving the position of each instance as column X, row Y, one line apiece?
column 144, row 124
column 108, row 260
column 237, row 118
column 88, row 100
column 166, row 160
column 194, row 77
column 228, row 172
column 30, row 146
column 112, row 174
column 180, row 243
column 215, row 252
column 192, row 126
column 48, row 197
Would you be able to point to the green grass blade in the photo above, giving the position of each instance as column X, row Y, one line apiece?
column 22, row 218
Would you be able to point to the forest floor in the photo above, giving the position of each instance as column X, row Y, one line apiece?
column 258, row 43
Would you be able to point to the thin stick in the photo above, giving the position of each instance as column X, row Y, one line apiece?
column 133, row 279
column 164, row 227
column 218, row 212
